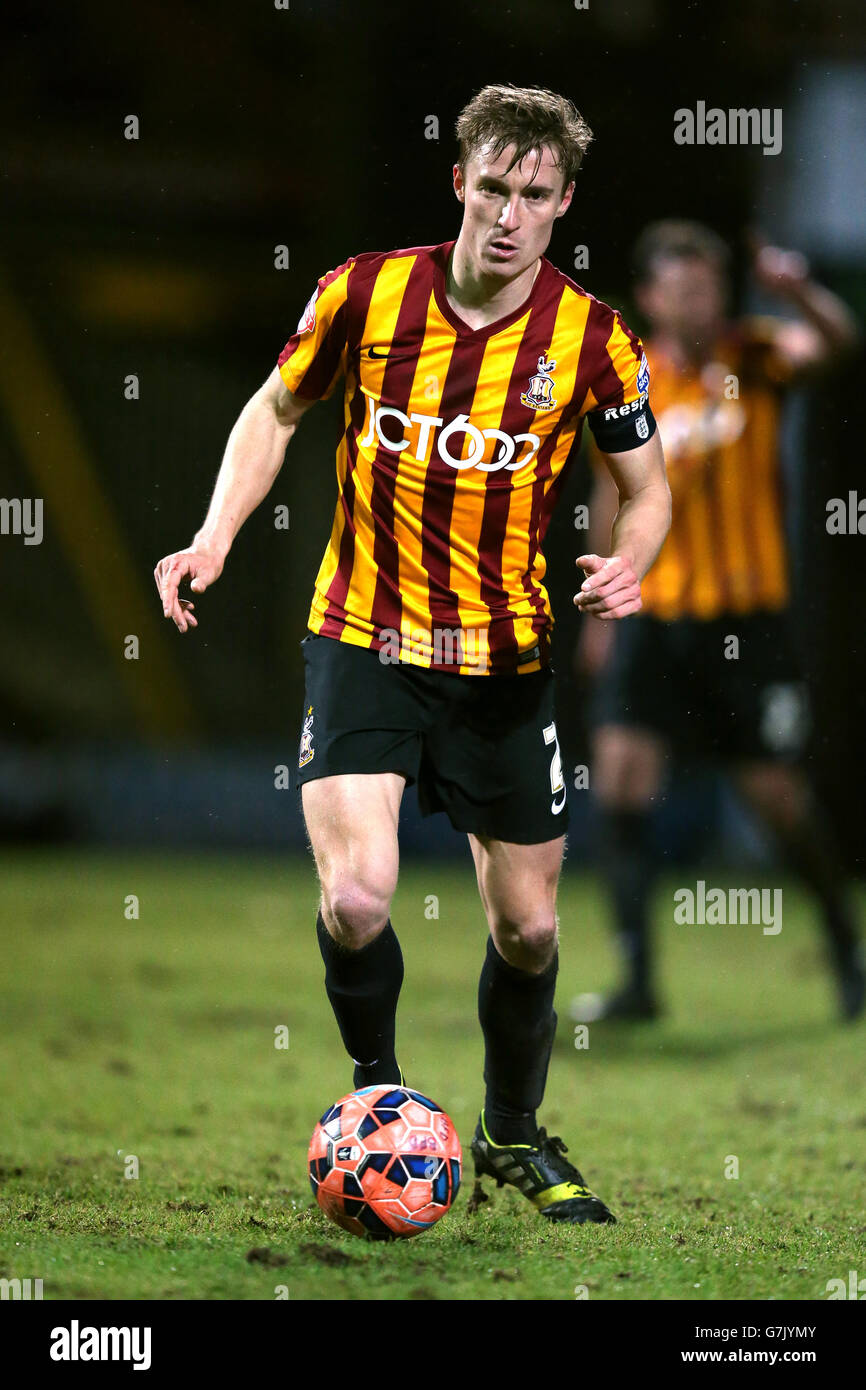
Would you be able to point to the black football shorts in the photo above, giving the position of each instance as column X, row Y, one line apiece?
column 682, row 681
column 484, row 749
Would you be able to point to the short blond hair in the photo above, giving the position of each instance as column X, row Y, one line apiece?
column 528, row 118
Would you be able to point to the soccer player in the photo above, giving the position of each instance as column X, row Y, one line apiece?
column 467, row 371
column 665, row 685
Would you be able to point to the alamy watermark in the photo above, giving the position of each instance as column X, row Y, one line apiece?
column 22, row 516
column 20, row 1289
column 855, row 1288
column 443, row 646
column 736, row 126
column 846, row 516
column 703, row 906
column 77, row 1343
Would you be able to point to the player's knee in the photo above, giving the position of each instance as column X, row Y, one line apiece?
column 624, row 796
column 626, row 765
column 528, row 942
column 355, row 912
column 780, row 794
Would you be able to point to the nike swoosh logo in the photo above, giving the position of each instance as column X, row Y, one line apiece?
column 371, row 352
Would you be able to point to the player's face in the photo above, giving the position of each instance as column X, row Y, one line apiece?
column 685, row 296
column 509, row 214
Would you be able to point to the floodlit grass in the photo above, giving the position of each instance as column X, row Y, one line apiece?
column 154, row 1039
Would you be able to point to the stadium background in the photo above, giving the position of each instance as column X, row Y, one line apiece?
column 305, row 127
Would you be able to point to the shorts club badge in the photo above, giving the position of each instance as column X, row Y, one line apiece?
column 306, row 752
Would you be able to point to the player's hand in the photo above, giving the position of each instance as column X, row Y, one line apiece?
column 201, row 566
column 778, row 271
column 611, row 588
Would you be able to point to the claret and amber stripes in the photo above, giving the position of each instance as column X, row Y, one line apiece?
column 726, row 550
column 454, row 450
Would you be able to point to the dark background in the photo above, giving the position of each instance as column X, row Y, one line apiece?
column 306, row 127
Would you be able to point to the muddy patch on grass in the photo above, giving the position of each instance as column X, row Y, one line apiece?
column 263, row 1255
column 328, row 1255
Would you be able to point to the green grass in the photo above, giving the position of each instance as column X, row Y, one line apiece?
column 155, row 1038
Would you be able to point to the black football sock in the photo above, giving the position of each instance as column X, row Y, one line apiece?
column 518, row 1022
column 628, row 867
column 811, row 854
column 363, row 987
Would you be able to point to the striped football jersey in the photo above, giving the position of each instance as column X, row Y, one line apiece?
column 454, row 448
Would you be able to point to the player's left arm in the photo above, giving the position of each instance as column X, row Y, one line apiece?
column 826, row 330
column 612, row 585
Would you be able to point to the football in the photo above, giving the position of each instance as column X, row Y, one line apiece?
column 385, row 1162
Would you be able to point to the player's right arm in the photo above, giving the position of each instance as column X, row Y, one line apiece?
column 253, row 457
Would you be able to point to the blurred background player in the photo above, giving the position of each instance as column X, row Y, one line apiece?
column 663, row 682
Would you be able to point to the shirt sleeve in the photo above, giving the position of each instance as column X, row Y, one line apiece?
column 315, row 356
column 617, row 405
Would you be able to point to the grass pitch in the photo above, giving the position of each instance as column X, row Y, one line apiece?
column 148, row 1044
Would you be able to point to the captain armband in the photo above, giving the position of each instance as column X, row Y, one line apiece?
column 620, row 427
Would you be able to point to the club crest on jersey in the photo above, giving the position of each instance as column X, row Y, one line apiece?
column 307, row 752
column 540, row 393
